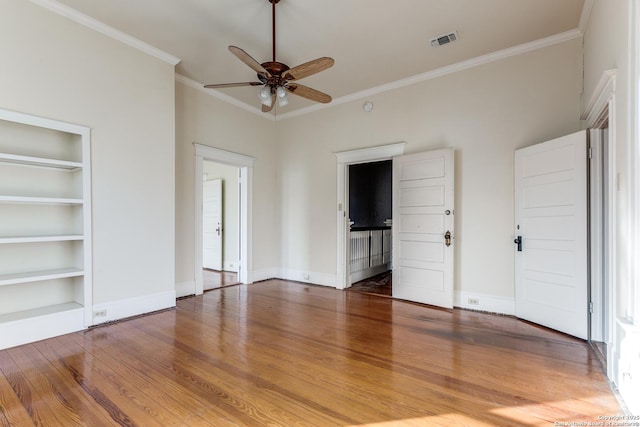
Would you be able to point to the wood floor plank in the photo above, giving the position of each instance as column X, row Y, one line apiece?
column 289, row 354
column 12, row 412
column 184, row 375
column 226, row 373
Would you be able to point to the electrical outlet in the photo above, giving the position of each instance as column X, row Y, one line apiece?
column 473, row 301
column 100, row 313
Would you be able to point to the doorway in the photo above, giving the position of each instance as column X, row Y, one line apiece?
column 369, row 213
column 344, row 160
column 220, row 213
column 600, row 118
column 422, row 234
column 244, row 165
column 600, row 231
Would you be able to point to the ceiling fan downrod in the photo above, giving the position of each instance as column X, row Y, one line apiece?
column 273, row 25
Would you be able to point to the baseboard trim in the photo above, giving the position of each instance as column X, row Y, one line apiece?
column 37, row 328
column 488, row 303
column 265, row 274
column 184, row 289
column 121, row 309
column 230, row 266
column 314, row 278
column 369, row 272
column 626, row 373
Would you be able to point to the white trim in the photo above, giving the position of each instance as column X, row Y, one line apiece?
column 596, row 234
column 314, row 278
column 245, row 184
column 626, row 364
column 122, row 309
column 221, row 96
column 184, row 289
column 223, row 156
column 43, row 122
column 587, row 8
column 52, row 321
column 600, row 96
column 488, row 303
column 230, row 266
column 266, row 274
column 369, row 154
column 602, row 104
column 443, row 71
column 343, row 160
column 429, row 75
column 94, row 24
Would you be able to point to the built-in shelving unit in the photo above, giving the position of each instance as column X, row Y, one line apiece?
column 45, row 228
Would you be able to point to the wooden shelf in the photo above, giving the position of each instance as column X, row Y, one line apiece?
column 44, row 195
column 41, row 200
column 39, row 161
column 40, row 312
column 41, row 239
column 38, row 276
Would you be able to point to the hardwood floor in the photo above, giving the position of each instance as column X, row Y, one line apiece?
column 382, row 284
column 213, row 279
column 288, row 354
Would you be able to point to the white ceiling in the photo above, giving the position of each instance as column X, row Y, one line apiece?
column 374, row 42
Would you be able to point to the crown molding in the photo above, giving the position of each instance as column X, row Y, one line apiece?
column 221, row 96
column 103, row 28
column 585, row 15
column 429, row 75
column 443, row 71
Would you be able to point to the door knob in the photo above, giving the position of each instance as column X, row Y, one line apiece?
column 447, row 238
column 518, row 241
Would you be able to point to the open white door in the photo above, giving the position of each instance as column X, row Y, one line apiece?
column 551, row 234
column 423, row 189
column 212, row 224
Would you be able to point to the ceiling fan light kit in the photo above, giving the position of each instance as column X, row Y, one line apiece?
column 277, row 78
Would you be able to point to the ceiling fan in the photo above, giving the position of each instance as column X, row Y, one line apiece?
column 277, row 78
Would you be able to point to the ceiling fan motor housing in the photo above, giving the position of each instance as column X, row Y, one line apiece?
column 275, row 69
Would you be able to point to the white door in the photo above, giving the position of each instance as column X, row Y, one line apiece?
column 551, row 223
column 423, row 189
column 212, row 224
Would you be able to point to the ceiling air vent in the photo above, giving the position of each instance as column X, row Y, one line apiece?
column 444, row 39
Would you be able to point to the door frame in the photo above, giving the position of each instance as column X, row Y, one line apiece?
column 599, row 111
column 245, row 181
column 344, row 159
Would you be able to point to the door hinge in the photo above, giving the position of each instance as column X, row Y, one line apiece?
column 590, row 153
column 591, row 307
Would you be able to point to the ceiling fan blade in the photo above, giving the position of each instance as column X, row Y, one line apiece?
column 309, row 68
column 223, row 85
column 248, row 59
column 267, row 108
column 307, row 92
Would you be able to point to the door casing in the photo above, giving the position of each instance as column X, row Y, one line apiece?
column 344, row 159
column 245, row 182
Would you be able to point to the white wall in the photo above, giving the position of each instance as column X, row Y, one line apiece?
column 485, row 113
column 229, row 177
column 206, row 120
column 56, row 68
column 607, row 45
